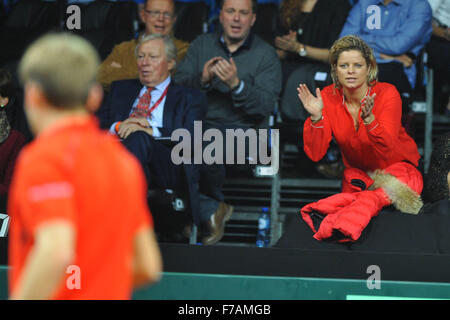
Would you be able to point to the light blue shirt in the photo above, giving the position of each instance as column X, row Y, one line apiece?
column 156, row 119
column 405, row 26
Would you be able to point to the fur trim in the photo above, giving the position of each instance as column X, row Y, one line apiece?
column 401, row 195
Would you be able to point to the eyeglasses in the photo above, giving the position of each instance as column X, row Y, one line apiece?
column 157, row 14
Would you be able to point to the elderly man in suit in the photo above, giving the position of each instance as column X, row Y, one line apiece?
column 139, row 111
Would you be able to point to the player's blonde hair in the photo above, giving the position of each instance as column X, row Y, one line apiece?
column 64, row 65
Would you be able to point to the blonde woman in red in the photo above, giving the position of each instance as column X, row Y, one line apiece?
column 364, row 117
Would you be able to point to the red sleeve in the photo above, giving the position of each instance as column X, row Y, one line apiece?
column 316, row 137
column 384, row 130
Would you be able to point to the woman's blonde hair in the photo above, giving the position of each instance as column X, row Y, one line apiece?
column 352, row 42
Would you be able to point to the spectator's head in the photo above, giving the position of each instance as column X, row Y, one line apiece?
column 352, row 63
column 158, row 16
column 156, row 58
column 6, row 88
column 58, row 73
column 237, row 18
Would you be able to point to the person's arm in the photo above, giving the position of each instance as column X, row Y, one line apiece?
column 259, row 98
column 289, row 43
column 53, row 251
column 132, row 124
column 319, row 54
column 147, row 261
column 317, row 136
column 316, row 129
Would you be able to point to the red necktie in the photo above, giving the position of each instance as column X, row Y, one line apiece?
column 142, row 108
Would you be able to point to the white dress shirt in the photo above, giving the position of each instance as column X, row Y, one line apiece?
column 156, row 119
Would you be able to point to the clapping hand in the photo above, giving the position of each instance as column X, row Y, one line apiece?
column 225, row 70
column 312, row 104
column 287, row 42
column 208, row 69
column 366, row 109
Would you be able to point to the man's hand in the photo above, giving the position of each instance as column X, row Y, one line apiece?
column 227, row 72
column 128, row 127
column 208, row 70
column 142, row 121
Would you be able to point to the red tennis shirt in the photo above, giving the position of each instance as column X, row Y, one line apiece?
column 374, row 146
column 73, row 171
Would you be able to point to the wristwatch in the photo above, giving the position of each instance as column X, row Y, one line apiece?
column 302, row 51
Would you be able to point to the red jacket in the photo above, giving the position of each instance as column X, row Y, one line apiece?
column 374, row 146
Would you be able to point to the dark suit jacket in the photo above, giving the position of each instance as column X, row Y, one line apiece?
column 182, row 107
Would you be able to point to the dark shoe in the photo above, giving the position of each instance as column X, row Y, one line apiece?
column 217, row 227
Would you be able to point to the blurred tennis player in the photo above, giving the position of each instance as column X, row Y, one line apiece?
column 80, row 224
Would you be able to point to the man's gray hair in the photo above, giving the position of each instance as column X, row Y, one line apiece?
column 169, row 46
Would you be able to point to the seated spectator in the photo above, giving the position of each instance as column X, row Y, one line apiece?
column 380, row 158
column 308, row 30
column 159, row 18
column 140, row 110
column 439, row 53
column 241, row 75
column 397, row 31
column 11, row 140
